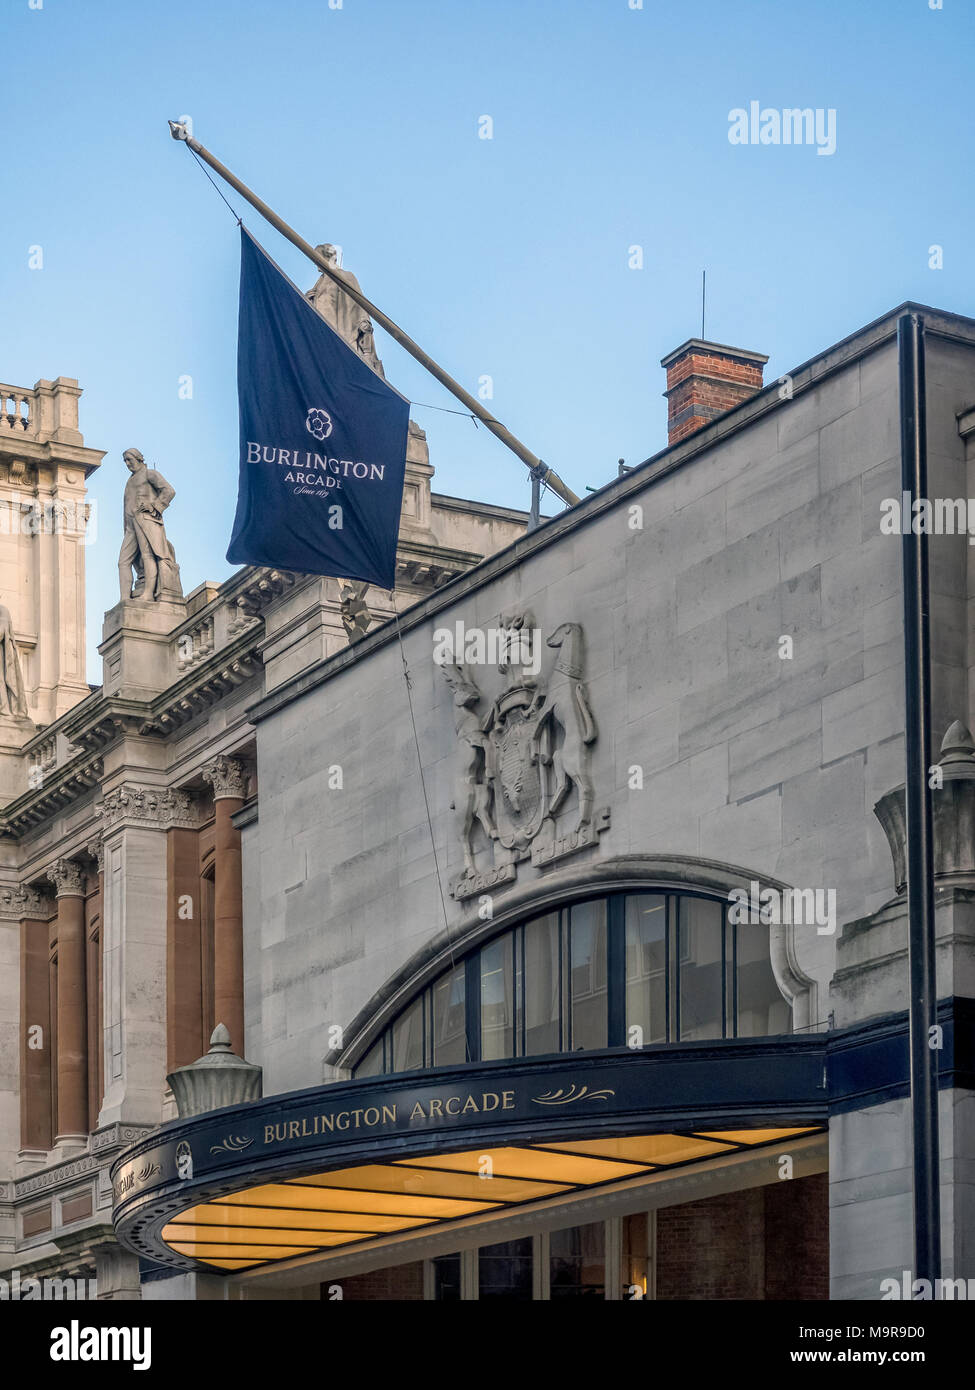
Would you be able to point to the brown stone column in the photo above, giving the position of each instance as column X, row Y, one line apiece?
column 68, row 878
column 94, row 936
column 184, row 962
column 228, row 777
column 36, row 1114
column 52, row 1013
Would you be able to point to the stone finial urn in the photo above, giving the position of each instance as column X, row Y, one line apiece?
column 953, row 804
column 219, row 1078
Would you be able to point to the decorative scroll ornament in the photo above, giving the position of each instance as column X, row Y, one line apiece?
column 18, row 902
column 574, row 1093
column 159, row 807
column 96, row 848
column 234, row 1143
column 227, row 777
column 524, row 764
column 68, row 877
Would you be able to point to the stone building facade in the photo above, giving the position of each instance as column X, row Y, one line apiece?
column 487, row 937
column 120, row 858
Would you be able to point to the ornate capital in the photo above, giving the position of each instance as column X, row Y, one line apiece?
column 227, row 777
column 18, row 902
column 68, row 877
column 96, row 848
column 157, row 807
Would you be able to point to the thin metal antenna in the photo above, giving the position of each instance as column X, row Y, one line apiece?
column 704, row 284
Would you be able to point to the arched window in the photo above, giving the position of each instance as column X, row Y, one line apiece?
column 620, row 970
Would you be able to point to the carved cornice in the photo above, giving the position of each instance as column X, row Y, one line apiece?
column 68, row 877
column 18, row 902
column 63, row 786
column 431, row 566
column 227, row 777
column 265, row 586
column 96, row 724
column 104, row 1144
column 117, row 1136
column 205, row 686
column 158, row 807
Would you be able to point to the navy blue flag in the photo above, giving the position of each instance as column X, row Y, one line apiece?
column 322, row 439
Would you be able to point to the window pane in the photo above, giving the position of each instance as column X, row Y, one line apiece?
column 761, row 1009
column 407, row 1036
column 505, row 1270
column 541, row 985
column 497, row 1000
column 372, row 1063
column 449, row 1018
column 577, row 1267
column 587, row 980
column 646, row 967
column 700, row 966
column 446, row 1278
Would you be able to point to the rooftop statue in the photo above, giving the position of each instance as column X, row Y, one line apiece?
column 145, row 545
column 13, row 701
column 350, row 322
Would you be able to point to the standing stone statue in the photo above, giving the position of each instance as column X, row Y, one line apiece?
column 342, row 313
column 13, row 701
column 145, row 546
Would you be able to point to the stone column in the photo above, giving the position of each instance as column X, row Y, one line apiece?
column 96, row 987
column 31, row 911
column 184, row 961
column 15, row 1090
column 116, row 1274
column 228, row 777
column 71, row 1131
column 134, row 822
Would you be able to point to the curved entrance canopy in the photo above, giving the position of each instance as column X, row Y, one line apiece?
column 292, row 1175
column 278, row 1221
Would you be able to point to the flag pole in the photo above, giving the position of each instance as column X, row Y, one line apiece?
column 538, row 469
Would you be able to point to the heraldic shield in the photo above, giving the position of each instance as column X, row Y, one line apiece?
column 520, row 763
column 514, row 766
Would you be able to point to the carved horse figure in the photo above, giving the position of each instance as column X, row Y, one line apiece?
column 472, row 794
column 567, row 703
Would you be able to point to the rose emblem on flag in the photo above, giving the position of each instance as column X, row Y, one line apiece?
column 318, row 422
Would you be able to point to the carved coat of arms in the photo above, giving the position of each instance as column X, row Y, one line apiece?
column 522, row 759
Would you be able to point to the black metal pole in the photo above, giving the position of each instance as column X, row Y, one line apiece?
column 920, row 840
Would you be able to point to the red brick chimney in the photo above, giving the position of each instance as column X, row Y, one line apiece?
column 704, row 380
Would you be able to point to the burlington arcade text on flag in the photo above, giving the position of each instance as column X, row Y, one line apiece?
column 322, row 439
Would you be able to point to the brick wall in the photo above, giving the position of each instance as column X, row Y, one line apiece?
column 766, row 1243
column 404, row 1283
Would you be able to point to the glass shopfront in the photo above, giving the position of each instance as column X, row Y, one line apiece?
column 765, row 1243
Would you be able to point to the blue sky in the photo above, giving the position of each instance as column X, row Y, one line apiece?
column 505, row 257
